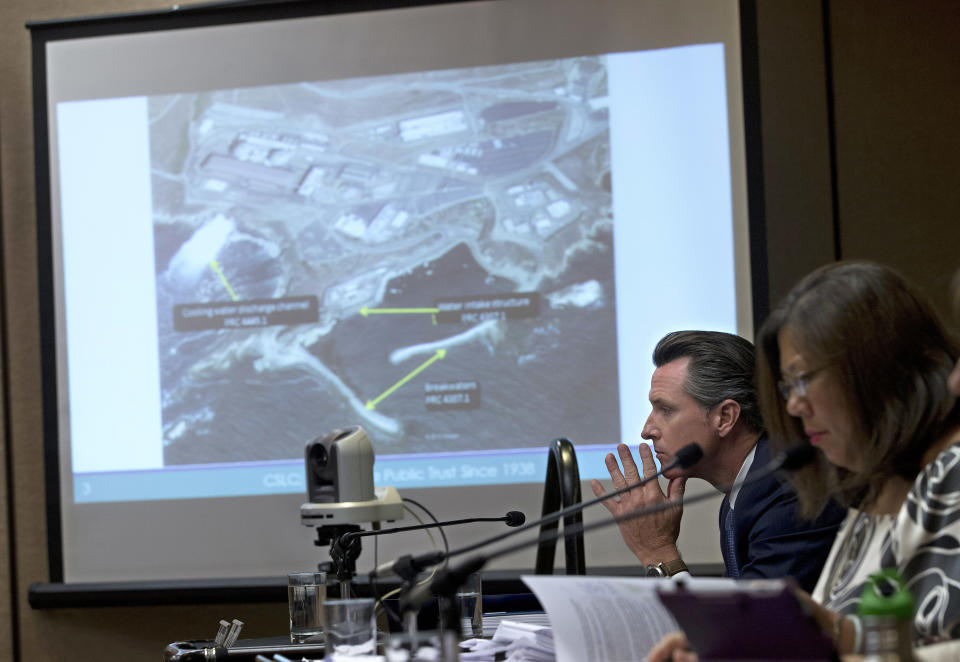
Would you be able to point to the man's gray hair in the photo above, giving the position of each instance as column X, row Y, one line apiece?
column 721, row 368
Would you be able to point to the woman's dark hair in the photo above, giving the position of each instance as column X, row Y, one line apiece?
column 881, row 340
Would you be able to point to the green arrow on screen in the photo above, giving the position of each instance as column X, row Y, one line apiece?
column 216, row 267
column 371, row 404
column 397, row 311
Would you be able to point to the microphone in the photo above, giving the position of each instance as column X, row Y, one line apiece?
column 796, row 457
column 684, row 458
column 406, row 566
column 515, row 518
column 512, row 518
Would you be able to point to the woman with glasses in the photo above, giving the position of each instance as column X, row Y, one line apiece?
column 856, row 362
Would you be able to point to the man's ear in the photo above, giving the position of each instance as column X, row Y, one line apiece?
column 725, row 416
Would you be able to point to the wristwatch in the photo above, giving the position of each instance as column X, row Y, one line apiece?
column 668, row 569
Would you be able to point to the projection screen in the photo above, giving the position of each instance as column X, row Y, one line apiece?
column 462, row 226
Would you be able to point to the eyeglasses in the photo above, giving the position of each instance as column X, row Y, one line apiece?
column 798, row 385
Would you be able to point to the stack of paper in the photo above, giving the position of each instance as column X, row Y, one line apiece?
column 513, row 642
column 492, row 620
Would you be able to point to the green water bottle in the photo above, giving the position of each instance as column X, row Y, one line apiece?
column 886, row 610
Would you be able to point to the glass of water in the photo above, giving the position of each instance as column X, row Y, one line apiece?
column 470, row 601
column 351, row 627
column 306, row 593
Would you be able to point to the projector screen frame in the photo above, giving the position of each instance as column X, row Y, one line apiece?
column 218, row 13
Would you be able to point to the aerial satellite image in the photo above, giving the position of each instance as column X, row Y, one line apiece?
column 429, row 255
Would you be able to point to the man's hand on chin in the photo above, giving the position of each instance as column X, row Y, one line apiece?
column 652, row 537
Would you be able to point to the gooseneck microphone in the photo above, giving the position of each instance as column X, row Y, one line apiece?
column 512, row 518
column 345, row 549
column 405, row 567
column 793, row 458
column 684, row 458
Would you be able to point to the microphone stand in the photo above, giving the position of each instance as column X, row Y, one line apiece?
column 444, row 587
column 408, row 611
column 344, row 553
column 561, row 489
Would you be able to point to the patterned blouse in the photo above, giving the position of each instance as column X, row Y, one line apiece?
column 922, row 541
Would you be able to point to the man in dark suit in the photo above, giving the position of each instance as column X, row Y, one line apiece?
column 702, row 391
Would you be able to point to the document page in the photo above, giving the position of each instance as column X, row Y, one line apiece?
column 603, row 619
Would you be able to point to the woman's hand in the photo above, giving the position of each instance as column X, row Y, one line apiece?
column 673, row 648
column 676, row 648
column 839, row 629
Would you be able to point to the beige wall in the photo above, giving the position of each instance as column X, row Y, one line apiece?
column 894, row 72
column 796, row 154
column 894, row 69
